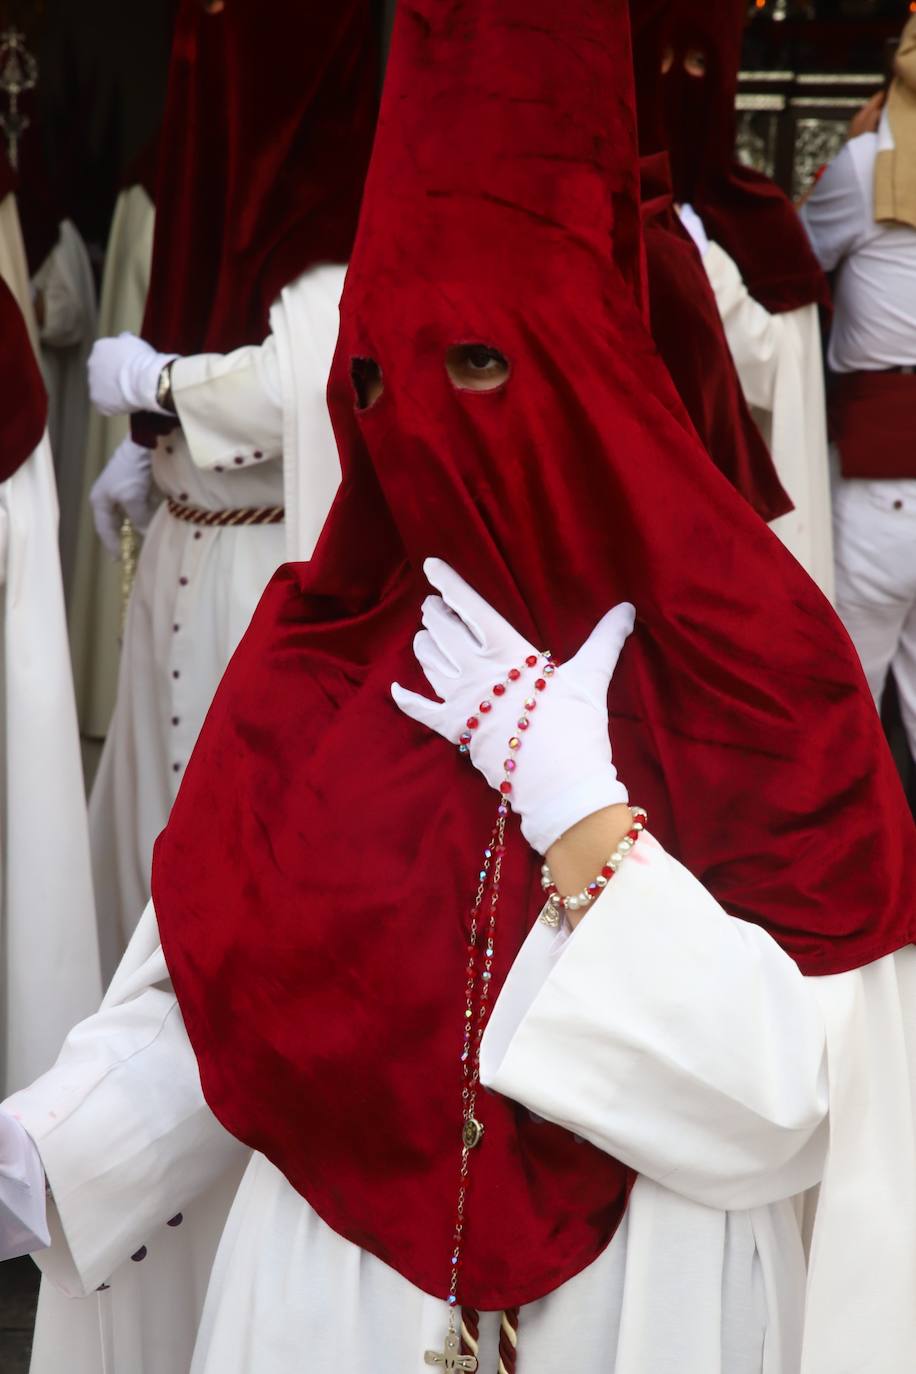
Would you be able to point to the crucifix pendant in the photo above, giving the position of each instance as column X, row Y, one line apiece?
column 451, row 1358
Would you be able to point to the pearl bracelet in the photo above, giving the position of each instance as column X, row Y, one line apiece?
column 558, row 906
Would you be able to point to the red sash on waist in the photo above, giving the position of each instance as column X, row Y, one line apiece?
column 873, row 423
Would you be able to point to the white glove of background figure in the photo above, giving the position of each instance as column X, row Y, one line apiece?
column 695, row 228
column 564, row 767
column 123, row 375
column 23, row 1206
column 122, row 488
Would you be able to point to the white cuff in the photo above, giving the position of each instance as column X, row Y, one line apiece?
column 23, row 1202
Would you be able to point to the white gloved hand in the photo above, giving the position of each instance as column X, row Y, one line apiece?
column 564, row 768
column 23, row 1204
column 123, row 375
column 122, row 488
column 694, row 226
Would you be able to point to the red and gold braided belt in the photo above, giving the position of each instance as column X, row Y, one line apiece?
column 249, row 515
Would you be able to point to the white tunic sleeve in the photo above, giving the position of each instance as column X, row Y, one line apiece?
column 836, row 214
column 120, row 1122
column 230, row 405
column 679, row 1039
column 755, row 337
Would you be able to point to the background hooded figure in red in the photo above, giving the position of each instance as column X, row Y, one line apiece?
column 683, row 314
column 315, row 924
column 741, row 209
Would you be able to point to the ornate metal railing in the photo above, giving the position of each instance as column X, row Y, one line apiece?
column 790, row 123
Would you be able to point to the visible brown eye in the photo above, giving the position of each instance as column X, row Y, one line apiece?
column 695, row 62
column 366, row 376
column 476, row 367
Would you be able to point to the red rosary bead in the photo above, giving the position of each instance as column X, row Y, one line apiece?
column 532, row 660
column 472, row 722
column 514, row 674
column 499, row 689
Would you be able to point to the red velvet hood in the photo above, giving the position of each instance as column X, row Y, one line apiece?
column 267, row 130
column 21, row 423
column 743, row 210
column 314, row 883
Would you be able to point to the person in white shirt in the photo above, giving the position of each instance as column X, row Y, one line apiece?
column 862, row 225
column 231, row 466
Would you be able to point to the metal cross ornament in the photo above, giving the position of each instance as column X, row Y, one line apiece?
column 18, row 74
column 451, row 1358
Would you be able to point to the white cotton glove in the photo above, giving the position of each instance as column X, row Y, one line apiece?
column 23, row 1204
column 122, row 488
column 564, row 770
column 694, row 226
column 123, row 375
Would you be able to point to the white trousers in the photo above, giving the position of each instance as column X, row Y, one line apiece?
column 874, row 541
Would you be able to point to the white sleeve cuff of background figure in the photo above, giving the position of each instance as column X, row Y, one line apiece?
column 23, row 1202
column 561, row 811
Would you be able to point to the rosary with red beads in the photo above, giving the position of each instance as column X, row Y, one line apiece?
column 462, row 1338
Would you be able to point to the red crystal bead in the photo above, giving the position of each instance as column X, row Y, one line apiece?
column 465, row 738
column 499, row 689
column 632, row 834
column 514, row 674
column 531, row 660
column 607, row 871
column 523, row 722
column 472, row 722
column 485, row 706
column 539, row 684
column 550, row 889
column 505, row 788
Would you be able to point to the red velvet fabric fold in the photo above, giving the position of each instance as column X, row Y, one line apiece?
column 314, row 883
column 688, row 333
column 742, row 210
column 24, row 416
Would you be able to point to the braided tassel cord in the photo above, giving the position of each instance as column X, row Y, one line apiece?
column 508, row 1341
column 470, row 1331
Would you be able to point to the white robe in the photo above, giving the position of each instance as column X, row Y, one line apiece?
column 678, row 1038
column 48, row 953
column 196, row 588
column 67, row 333
column 95, row 600
column 778, row 359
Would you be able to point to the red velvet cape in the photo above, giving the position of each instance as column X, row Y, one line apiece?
column 24, row 415
column 742, row 210
column 314, row 882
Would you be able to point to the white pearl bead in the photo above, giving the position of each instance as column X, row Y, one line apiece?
column 572, row 903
